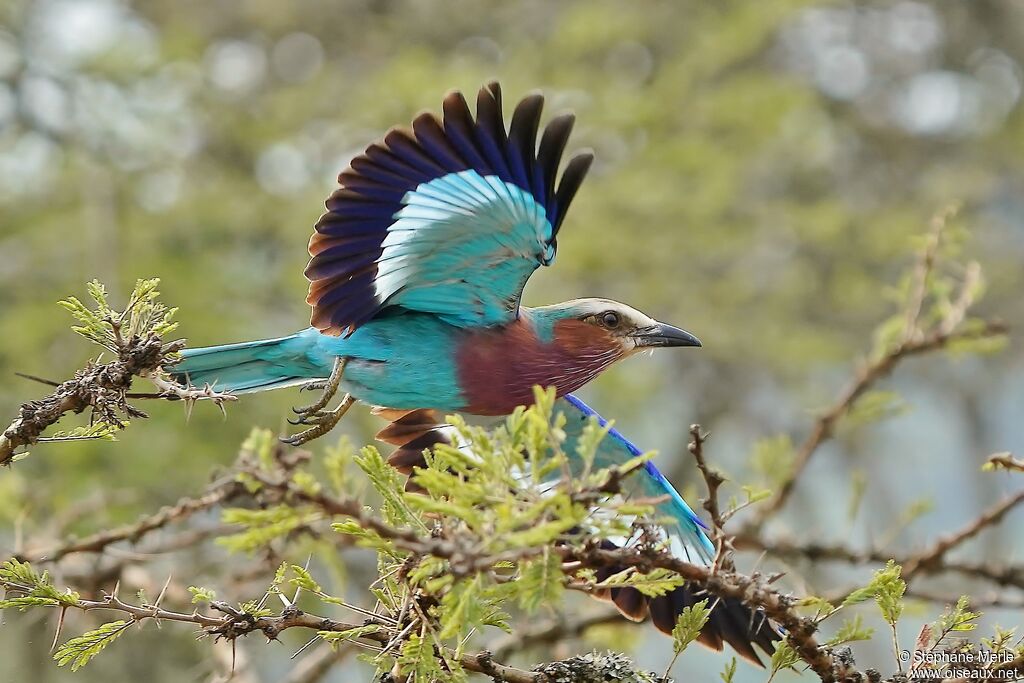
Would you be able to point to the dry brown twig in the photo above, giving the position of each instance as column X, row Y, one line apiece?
column 865, row 378
column 218, row 494
column 1004, row 461
column 104, row 388
column 914, row 341
column 930, row 558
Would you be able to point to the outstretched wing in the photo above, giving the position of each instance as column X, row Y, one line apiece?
column 687, row 532
column 730, row 621
column 451, row 217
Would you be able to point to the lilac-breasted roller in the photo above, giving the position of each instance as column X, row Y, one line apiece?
column 416, row 273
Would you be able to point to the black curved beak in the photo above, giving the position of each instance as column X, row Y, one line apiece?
column 664, row 335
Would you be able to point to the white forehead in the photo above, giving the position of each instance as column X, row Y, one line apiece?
column 596, row 306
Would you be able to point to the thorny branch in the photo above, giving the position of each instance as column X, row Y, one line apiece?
column 1004, row 461
column 713, row 479
column 914, row 341
column 218, row 494
column 233, row 624
column 865, row 378
column 103, row 388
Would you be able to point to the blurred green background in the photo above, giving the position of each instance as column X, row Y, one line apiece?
column 761, row 170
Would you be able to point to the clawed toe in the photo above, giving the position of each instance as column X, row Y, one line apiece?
column 322, row 422
column 329, row 387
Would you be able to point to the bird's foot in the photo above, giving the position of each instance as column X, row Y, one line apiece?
column 323, row 421
column 330, row 388
column 315, row 414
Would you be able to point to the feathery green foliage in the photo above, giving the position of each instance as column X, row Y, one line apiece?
column 34, row 589
column 79, row 651
column 143, row 315
column 688, row 627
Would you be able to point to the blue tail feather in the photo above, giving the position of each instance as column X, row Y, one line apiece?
column 248, row 366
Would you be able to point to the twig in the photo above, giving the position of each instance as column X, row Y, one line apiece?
column 550, row 633
column 712, row 477
column 753, row 591
column 235, row 624
column 1004, row 461
column 98, row 542
column 932, row 556
column 103, row 388
column 866, row 376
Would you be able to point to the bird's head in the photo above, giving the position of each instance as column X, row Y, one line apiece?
column 586, row 323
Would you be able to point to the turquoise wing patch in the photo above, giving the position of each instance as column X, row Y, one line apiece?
column 451, row 217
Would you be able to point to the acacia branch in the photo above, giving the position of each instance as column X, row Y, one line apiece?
column 1004, row 461
column 932, row 557
column 864, row 379
column 98, row 542
column 753, row 591
column 1007, row 575
column 713, row 479
column 465, row 558
column 103, row 388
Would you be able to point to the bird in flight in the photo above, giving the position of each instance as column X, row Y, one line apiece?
column 416, row 276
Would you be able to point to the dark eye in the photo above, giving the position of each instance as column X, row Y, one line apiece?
column 610, row 319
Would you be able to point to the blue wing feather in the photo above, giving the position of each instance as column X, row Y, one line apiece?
column 616, row 449
column 449, row 200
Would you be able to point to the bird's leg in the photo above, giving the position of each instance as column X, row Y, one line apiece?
column 312, row 385
column 322, row 421
column 330, row 388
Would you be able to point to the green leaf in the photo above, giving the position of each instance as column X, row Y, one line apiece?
column 200, row 594
column 24, row 602
column 38, row 589
column 887, row 588
column 335, row 637
column 417, row 658
column 890, row 592
column 956, row 619
column 389, row 485
column 689, row 624
column 874, row 406
column 263, row 526
column 303, row 579
column 656, row 582
column 729, row 671
column 540, row 582
column 784, row 657
column 13, row 571
column 79, row 651
column 852, row 630
column 101, row 431
column 460, row 608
